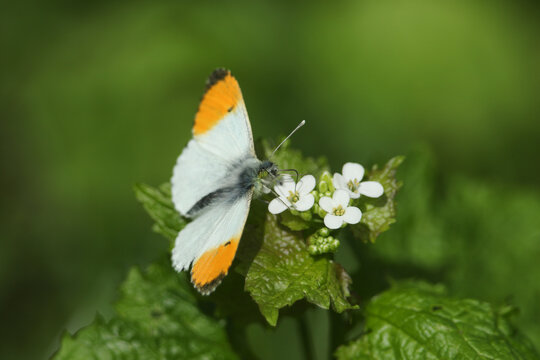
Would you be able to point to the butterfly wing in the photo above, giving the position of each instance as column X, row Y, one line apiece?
column 221, row 139
column 210, row 242
column 205, row 184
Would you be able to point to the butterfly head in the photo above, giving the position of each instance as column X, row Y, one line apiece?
column 268, row 174
column 267, row 169
column 267, row 177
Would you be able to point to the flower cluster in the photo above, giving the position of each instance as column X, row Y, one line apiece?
column 333, row 199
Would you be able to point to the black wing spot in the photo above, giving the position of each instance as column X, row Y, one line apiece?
column 229, row 109
column 206, row 289
column 217, row 75
column 227, row 244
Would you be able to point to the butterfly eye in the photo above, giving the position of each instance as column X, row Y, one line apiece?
column 262, row 174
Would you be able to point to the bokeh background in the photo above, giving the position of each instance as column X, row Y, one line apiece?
column 95, row 96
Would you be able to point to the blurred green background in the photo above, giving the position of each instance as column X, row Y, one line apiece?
column 96, row 96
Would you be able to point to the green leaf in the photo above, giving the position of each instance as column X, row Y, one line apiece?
column 283, row 272
column 378, row 214
column 159, row 205
column 494, row 234
column 418, row 321
column 450, row 226
column 157, row 318
column 418, row 237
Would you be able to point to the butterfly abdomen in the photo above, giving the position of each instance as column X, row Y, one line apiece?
column 207, row 200
column 245, row 174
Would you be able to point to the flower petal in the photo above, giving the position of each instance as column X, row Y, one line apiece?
column 286, row 184
column 306, row 184
column 353, row 195
column 333, row 221
column 305, row 202
column 341, row 197
column 371, row 188
column 339, row 181
column 352, row 215
column 353, row 171
column 277, row 206
column 326, row 203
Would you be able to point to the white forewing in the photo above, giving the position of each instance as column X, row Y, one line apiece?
column 216, row 225
column 205, row 163
column 231, row 137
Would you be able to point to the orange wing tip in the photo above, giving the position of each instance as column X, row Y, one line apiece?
column 212, row 266
column 221, row 97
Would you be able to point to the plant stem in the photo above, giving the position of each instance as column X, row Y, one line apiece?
column 336, row 331
column 238, row 339
column 305, row 336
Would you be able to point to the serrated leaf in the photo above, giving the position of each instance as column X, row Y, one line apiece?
column 378, row 214
column 159, row 205
column 419, row 321
column 157, row 318
column 283, row 272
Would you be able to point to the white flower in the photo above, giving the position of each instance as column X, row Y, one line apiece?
column 350, row 182
column 292, row 195
column 338, row 210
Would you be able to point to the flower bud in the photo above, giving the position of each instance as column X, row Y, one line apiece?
column 326, row 177
column 323, row 187
column 324, row 232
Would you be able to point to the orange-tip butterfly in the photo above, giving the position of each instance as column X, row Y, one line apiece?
column 213, row 182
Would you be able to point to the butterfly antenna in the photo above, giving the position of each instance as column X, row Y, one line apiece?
column 302, row 123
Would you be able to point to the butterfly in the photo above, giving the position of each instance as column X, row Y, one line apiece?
column 213, row 182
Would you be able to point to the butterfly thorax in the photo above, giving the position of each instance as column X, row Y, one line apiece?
column 261, row 176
